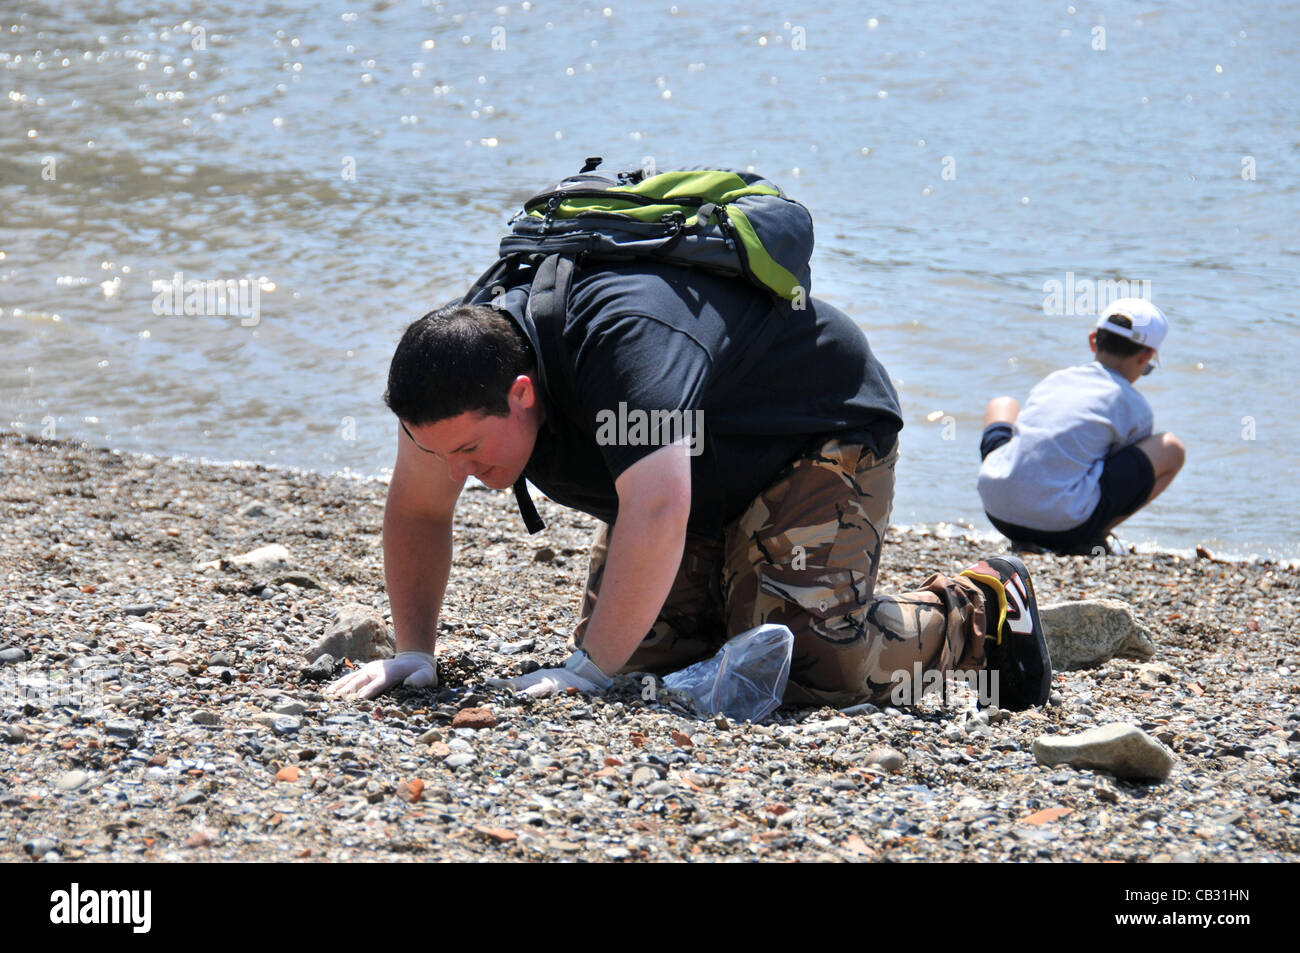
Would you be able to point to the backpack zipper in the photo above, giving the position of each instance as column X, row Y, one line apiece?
column 691, row 201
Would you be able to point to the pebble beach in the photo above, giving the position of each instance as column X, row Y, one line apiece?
column 157, row 701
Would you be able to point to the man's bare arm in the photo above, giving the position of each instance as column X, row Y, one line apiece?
column 417, row 543
column 417, row 564
column 645, row 550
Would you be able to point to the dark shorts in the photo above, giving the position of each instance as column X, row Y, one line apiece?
column 1127, row 479
column 995, row 435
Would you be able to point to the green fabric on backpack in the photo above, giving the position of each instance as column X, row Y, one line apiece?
column 720, row 188
column 765, row 268
column 679, row 198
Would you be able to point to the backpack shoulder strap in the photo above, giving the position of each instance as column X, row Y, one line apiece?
column 533, row 521
column 547, row 306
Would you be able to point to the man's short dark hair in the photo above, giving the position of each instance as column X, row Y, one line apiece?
column 1110, row 343
column 458, row 359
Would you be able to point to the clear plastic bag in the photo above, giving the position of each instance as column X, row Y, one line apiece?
column 745, row 680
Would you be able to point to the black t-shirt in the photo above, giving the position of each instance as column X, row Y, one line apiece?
column 645, row 339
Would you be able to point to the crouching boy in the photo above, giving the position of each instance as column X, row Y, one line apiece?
column 1080, row 457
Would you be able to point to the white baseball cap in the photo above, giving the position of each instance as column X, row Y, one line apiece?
column 1149, row 324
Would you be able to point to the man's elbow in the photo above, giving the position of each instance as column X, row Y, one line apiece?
column 658, row 486
column 664, row 505
column 674, row 506
column 665, row 502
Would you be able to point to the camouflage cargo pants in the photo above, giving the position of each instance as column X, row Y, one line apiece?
column 806, row 554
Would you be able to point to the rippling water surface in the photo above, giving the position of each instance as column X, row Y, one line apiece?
column 357, row 162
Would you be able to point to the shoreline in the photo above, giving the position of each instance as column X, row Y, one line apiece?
column 192, row 734
column 938, row 529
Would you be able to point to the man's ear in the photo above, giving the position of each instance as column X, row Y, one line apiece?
column 1092, row 341
column 524, row 390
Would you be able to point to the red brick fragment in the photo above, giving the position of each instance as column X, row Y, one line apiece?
column 474, row 718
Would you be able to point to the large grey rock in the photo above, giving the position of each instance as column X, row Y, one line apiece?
column 1126, row 751
column 357, row 633
column 1085, row 634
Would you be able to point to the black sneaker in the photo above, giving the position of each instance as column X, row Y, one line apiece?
column 1034, row 549
column 1108, row 546
column 1016, row 649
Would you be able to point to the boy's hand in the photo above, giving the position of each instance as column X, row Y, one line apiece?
column 417, row 669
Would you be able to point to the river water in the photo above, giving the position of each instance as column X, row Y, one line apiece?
column 354, row 164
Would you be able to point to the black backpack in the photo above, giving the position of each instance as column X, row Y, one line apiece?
column 727, row 222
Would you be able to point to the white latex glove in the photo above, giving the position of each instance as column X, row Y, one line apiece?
column 579, row 672
column 417, row 669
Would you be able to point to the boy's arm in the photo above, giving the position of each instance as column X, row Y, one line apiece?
column 1135, row 419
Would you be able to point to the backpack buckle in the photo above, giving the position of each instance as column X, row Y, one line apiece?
column 552, row 204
